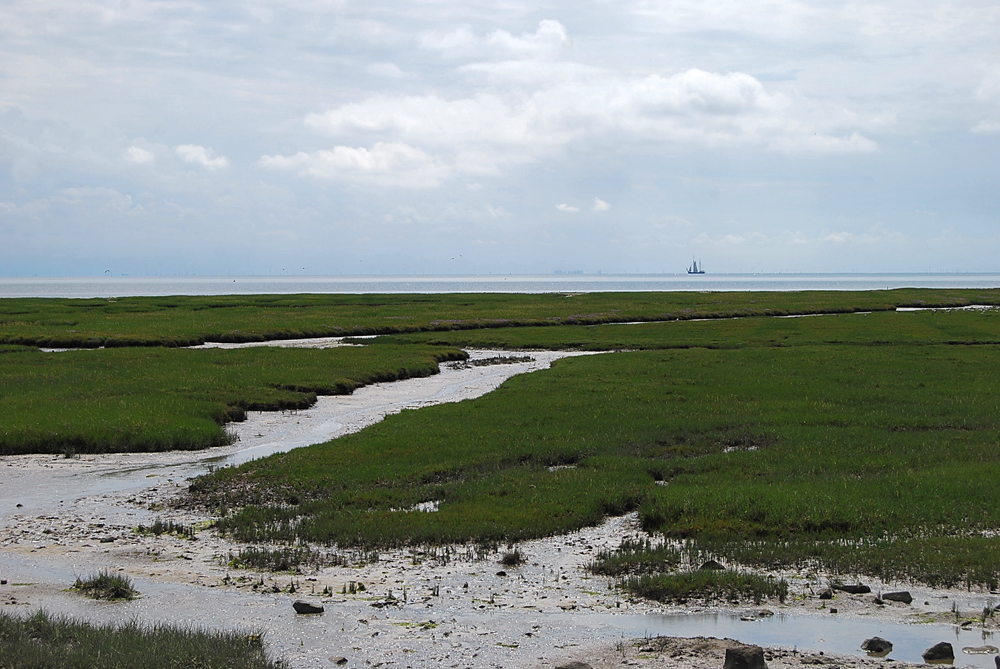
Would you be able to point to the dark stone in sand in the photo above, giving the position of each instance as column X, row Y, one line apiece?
column 902, row 596
column 339, row 660
column 712, row 564
column 853, row 589
column 939, row 652
column 302, row 606
column 826, row 594
column 501, row 573
column 745, row 657
column 877, row 646
column 574, row 665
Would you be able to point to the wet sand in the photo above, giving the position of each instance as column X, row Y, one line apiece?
column 454, row 609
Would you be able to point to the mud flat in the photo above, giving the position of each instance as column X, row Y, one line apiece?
column 454, row 607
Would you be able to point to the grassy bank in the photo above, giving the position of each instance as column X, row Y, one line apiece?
column 42, row 640
column 784, row 452
column 156, row 399
column 862, row 329
column 185, row 321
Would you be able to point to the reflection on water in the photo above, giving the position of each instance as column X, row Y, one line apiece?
column 828, row 633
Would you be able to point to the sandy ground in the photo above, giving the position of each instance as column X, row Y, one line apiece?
column 450, row 607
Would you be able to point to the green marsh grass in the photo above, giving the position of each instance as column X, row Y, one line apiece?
column 879, row 427
column 159, row 527
column 637, row 556
column 706, row 584
column 44, row 640
column 157, row 399
column 186, row 321
column 106, row 585
column 284, row 559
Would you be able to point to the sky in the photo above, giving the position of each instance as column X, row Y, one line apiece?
column 329, row 137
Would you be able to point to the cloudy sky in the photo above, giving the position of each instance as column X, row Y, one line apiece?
column 463, row 136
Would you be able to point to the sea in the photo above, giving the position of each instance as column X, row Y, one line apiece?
column 126, row 286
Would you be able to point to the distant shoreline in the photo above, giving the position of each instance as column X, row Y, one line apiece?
column 131, row 286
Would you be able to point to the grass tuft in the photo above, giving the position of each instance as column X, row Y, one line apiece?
column 105, row 585
column 512, row 558
column 167, row 527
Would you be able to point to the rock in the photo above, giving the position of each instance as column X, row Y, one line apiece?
column 852, row 589
column 302, row 606
column 744, row 657
column 713, row 565
column 574, row 665
column 877, row 646
column 996, row 661
column 902, row 596
column 3, row 581
column 826, row 594
column 339, row 660
column 982, row 650
column 501, row 573
column 939, row 652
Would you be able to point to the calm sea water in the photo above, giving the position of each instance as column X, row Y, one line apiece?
column 489, row 283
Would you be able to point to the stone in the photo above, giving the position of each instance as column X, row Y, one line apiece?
column 939, row 652
column 744, row 657
column 574, row 665
column 981, row 650
column 713, row 565
column 826, row 594
column 857, row 589
column 339, row 660
column 302, row 606
column 501, row 573
column 877, row 646
column 902, row 596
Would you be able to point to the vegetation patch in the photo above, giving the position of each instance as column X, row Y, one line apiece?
column 107, row 586
column 159, row 527
column 43, row 640
column 191, row 320
column 636, row 556
column 512, row 558
column 285, row 559
column 156, row 399
column 729, row 585
column 876, row 432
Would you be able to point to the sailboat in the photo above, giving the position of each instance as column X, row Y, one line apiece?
column 694, row 269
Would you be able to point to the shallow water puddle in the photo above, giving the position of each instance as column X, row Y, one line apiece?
column 821, row 632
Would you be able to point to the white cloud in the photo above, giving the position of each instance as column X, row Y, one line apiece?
column 101, row 199
column 567, row 208
column 386, row 70
column 138, row 155
column 548, row 41
column 986, row 127
column 199, row 155
column 386, row 163
column 601, row 205
column 491, row 130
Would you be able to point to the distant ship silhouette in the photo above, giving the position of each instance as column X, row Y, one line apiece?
column 694, row 269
